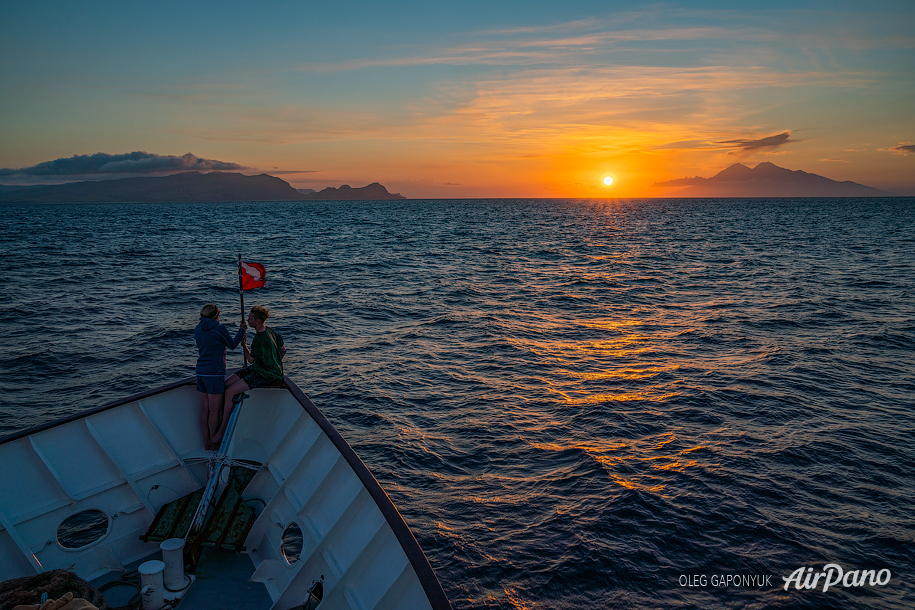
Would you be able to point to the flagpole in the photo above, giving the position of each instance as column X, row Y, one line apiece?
column 241, row 296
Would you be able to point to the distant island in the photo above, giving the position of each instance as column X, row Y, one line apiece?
column 768, row 180
column 369, row 192
column 186, row 187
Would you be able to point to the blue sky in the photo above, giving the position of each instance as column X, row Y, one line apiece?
column 467, row 99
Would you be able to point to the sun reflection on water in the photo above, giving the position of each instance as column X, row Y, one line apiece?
column 645, row 463
column 614, row 364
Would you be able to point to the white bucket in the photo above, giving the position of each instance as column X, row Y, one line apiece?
column 173, row 558
column 151, row 584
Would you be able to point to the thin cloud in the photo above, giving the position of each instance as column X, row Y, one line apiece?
column 588, row 41
column 562, row 102
column 906, row 149
column 130, row 163
column 576, row 48
column 685, row 145
column 768, row 142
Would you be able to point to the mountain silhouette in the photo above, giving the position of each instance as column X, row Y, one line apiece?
column 768, row 180
column 184, row 187
column 347, row 193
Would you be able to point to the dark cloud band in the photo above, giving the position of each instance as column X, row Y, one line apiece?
column 768, row 142
column 130, row 163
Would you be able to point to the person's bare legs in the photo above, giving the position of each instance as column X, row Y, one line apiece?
column 214, row 402
column 205, row 417
column 236, row 388
column 211, row 424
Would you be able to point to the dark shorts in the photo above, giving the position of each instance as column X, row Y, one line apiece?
column 247, row 375
column 211, row 384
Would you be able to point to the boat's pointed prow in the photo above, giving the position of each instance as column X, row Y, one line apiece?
column 308, row 516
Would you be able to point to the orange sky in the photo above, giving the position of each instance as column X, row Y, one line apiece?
column 466, row 102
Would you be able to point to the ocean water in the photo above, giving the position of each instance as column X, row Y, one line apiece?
column 574, row 404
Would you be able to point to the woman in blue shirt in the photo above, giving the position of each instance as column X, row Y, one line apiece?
column 212, row 340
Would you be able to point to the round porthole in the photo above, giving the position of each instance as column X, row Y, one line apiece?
column 83, row 529
column 292, row 543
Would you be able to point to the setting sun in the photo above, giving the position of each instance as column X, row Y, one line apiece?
column 608, row 180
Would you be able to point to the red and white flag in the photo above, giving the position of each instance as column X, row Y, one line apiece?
column 253, row 275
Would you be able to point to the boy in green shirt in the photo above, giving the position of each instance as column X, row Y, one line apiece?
column 265, row 360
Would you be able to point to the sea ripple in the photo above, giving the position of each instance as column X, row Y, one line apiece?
column 573, row 403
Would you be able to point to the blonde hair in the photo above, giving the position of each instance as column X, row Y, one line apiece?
column 260, row 313
column 209, row 311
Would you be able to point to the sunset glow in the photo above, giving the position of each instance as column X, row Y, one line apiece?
column 526, row 103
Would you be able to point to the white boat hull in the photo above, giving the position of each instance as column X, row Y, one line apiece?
column 130, row 458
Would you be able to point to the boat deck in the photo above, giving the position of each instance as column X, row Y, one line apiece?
column 98, row 479
column 222, row 583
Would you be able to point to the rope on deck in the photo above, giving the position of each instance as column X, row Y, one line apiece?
column 56, row 583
